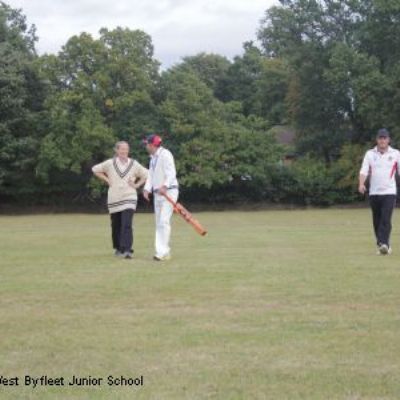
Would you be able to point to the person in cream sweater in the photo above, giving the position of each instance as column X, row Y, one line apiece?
column 123, row 176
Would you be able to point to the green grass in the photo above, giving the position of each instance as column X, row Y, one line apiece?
column 270, row 305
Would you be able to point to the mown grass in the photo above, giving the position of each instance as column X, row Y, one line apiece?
column 270, row 305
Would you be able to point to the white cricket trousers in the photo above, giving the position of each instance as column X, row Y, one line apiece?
column 163, row 212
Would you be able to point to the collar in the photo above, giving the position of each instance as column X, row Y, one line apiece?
column 120, row 160
column 389, row 150
column 157, row 153
column 128, row 167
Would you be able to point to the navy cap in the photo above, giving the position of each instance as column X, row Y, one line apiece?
column 383, row 133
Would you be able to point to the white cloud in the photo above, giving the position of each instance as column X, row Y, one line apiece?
column 178, row 27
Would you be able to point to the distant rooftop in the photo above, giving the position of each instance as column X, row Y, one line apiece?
column 285, row 135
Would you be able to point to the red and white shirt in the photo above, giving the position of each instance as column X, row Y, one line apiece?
column 381, row 168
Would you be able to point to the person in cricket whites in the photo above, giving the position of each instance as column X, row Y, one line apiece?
column 124, row 176
column 161, row 180
column 381, row 164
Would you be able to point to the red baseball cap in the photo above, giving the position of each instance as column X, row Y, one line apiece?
column 155, row 140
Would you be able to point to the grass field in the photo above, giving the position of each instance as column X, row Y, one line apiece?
column 270, row 305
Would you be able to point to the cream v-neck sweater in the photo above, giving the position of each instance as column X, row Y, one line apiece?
column 121, row 195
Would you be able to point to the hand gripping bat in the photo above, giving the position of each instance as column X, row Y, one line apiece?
column 185, row 214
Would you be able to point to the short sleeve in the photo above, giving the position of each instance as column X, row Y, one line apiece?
column 169, row 169
column 100, row 168
column 398, row 162
column 365, row 165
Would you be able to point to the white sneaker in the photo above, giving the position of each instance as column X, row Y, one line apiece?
column 167, row 257
column 389, row 251
column 384, row 249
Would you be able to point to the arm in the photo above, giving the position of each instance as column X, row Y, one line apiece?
column 361, row 183
column 398, row 163
column 170, row 172
column 141, row 174
column 363, row 174
column 148, row 185
column 99, row 172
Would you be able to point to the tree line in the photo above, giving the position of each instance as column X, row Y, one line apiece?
column 328, row 70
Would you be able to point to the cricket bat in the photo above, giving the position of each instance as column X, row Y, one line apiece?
column 187, row 216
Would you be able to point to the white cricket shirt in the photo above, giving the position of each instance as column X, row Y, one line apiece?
column 162, row 171
column 381, row 168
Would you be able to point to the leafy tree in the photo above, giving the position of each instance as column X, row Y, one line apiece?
column 21, row 103
column 343, row 58
column 217, row 147
column 259, row 83
column 243, row 77
column 211, row 69
column 330, row 69
column 101, row 90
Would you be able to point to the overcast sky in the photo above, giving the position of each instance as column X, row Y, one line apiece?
column 178, row 27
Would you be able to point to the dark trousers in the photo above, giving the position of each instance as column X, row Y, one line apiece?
column 122, row 230
column 382, row 209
